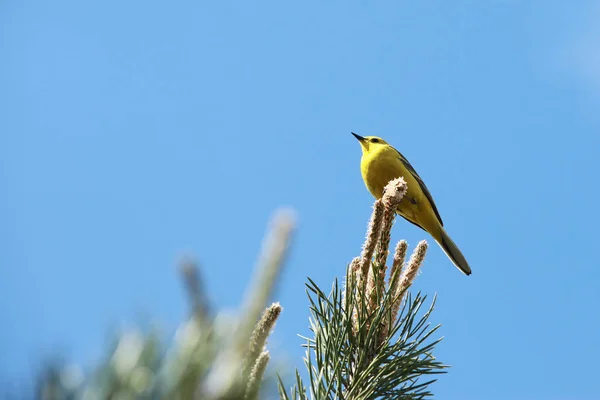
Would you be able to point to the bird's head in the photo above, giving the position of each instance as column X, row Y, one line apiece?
column 369, row 143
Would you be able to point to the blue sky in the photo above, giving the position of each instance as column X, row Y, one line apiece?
column 135, row 132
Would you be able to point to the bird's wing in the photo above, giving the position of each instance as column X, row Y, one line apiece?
column 422, row 184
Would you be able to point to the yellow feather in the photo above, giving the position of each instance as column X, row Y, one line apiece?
column 380, row 163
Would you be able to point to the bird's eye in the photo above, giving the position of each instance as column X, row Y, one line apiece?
column 374, row 140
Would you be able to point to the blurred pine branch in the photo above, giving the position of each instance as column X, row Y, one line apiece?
column 209, row 358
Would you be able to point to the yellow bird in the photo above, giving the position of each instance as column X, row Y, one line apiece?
column 380, row 163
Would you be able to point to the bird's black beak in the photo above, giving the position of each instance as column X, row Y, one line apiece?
column 360, row 138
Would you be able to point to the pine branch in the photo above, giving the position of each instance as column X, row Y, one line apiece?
column 370, row 339
column 211, row 358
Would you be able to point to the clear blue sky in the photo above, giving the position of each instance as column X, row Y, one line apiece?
column 133, row 132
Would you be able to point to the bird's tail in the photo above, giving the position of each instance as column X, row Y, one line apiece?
column 452, row 251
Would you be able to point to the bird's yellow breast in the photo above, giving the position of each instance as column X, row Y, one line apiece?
column 380, row 166
column 378, row 169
